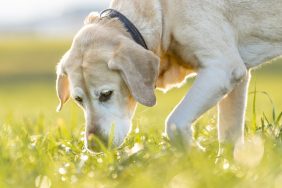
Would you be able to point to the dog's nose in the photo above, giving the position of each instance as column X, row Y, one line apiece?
column 94, row 139
column 92, row 130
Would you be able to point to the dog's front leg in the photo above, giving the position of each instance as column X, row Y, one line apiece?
column 231, row 115
column 211, row 85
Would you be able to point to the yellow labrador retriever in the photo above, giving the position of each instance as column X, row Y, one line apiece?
column 120, row 56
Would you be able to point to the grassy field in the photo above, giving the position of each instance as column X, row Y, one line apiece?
column 42, row 148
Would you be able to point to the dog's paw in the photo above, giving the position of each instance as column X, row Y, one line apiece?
column 181, row 138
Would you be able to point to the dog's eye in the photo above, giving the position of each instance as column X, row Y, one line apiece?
column 78, row 99
column 105, row 96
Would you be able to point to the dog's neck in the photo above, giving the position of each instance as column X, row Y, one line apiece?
column 147, row 17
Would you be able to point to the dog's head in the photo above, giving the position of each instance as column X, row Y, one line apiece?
column 107, row 73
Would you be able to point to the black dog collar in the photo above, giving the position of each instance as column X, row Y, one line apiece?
column 133, row 31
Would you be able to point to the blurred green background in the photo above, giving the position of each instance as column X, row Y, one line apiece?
column 42, row 148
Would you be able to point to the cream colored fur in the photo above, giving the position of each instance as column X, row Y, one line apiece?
column 220, row 40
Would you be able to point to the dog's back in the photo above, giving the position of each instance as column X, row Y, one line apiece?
column 259, row 28
column 257, row 18
column 256, row 24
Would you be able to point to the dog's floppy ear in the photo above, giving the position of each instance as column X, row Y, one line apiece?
column 62, row 84
column 139, row 68
column 63, row 92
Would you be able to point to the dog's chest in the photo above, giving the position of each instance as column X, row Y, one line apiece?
column 173, row 71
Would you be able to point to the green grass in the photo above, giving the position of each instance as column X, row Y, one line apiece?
column 42, row 148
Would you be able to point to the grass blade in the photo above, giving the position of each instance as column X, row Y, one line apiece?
column 111, row 136
column 254, row 114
